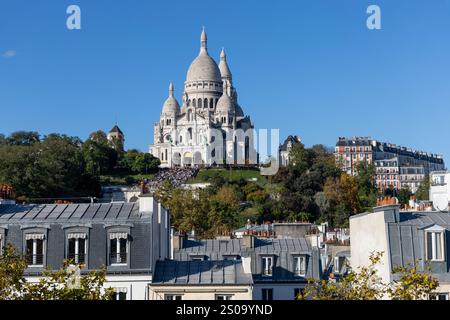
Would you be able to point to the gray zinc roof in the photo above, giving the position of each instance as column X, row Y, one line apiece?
column 235, row 246
column 224, row 272
column 407, row 240
column 68, row 212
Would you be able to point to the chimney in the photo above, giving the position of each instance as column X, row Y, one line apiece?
column 146, row 203
column 314, row 240
column 248, row 240
column 178, row 241
column 247, row 264
column 391, row 212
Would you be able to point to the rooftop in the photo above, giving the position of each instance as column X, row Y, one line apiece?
column 236, row 246
column 69, row 212
column 223, row 272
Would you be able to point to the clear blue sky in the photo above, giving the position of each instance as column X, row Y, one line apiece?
column 310, row 68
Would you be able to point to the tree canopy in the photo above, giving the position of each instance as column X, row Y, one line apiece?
column 66, row 283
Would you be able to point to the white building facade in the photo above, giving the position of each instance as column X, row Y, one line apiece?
column 440, row 190
column 210, row 126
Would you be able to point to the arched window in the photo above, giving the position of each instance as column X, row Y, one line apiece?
column 162, row 156
column 193, row 103
column 190, row 133
column 211, row 103
column 189, row 115
column 199, row 103
column 189, row 102
column 166, row 154
column 181, row 139
column 205, row 105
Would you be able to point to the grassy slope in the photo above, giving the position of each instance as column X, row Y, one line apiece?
column 123, row 179
column 235, row 174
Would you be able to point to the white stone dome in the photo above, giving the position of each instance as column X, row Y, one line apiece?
column 225, row 104
column 203, row 68
column 171, row 106
column 223, row 66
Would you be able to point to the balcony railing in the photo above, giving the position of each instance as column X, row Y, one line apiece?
column 118, row 258
column 77, row 258
column 35, row 259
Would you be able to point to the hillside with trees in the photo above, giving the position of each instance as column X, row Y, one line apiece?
column 57, row 165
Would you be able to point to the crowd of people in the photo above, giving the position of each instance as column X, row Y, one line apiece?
column 176, row 176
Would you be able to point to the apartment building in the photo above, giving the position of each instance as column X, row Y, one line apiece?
column 396, row 166
column 280, row 268
column 126, row 238
column 404, row 238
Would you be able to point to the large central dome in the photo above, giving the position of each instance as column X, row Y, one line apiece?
column 203, row 68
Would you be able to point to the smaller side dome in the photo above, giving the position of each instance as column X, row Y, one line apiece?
column 171, row 105
column 225, row 104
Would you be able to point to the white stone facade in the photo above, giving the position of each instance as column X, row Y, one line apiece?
column 440, row 190
column 193, row 134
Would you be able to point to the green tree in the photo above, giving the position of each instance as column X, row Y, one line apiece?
column 364, row 283
column 134, row 161
column 23, row 138
column 413, row 284
column 63, row 284
column 423, row 191
column 98, row 155
column 403, row 196
column 48, row 169
column 342, row 194
column 224, row 208
column 367, row 191
column 67, row 283
column 12, row 267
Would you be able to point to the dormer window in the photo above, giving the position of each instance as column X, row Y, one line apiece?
column 35, row 249
column 300, row 266
column 267, row 266
column 118, row 248
column 77, row 247
column 435, row 243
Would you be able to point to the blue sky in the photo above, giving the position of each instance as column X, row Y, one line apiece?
column 310, row 68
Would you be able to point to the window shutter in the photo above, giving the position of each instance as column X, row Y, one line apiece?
column 118, row 235
column 33, row 236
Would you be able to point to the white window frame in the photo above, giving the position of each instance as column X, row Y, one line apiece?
column 127, row 247
column 119, row 291
column 435, row 231
column 172, row 296
column 297, row 265
column 225, row 296
column 77, row 248
column 34, row 252
column 444, row 294
column 267, row 271
column 263, row 295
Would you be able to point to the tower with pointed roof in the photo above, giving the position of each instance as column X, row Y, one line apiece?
column 116, row 138
column 186, row 135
